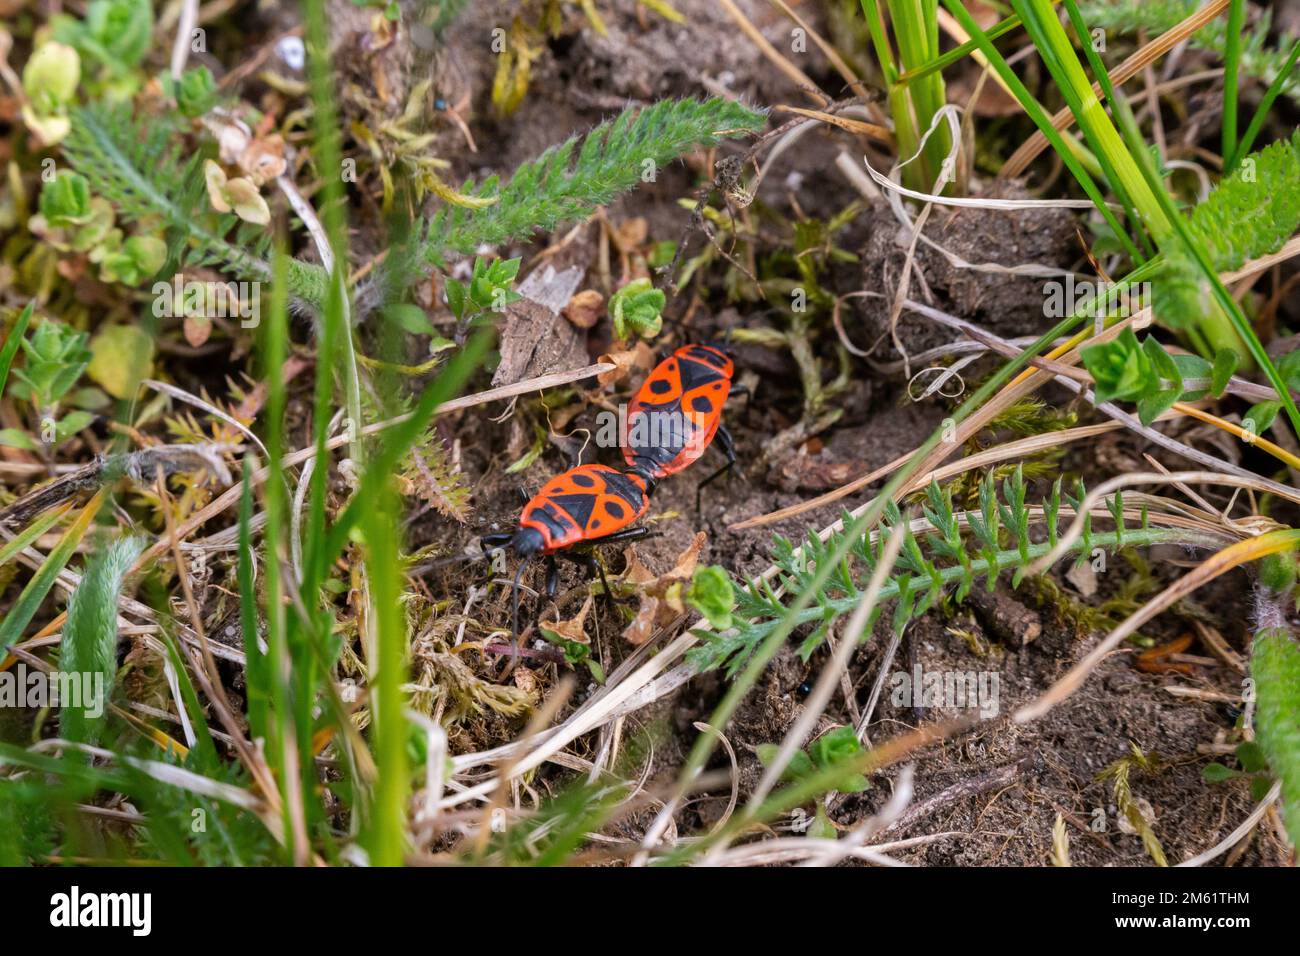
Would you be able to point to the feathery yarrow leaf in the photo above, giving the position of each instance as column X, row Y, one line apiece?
column 135, row 163
column 1251, row 213
column 555, row 187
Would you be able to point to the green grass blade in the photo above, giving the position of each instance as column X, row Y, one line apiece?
column 284, row 744
column 29, row 600
column 1265, row 105
column 386, row 833
column 203, row 756
column 942, row 62
column 255, row 670
column 384, row 463
column 31, row 533
column 1121, row 168
column 880, row 40
column 1043, row 122
column 1231, row 71
column 1108, row 92
column 10, row 348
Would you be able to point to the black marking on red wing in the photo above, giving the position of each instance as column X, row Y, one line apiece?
column 547, row 517
column 624, row 487
column 583, row 480
column 695, row 374
column 659, row 447
column 614, row 510
column 579, row 507
column 701, row 353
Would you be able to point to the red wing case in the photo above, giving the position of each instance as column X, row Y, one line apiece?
column 584, row 504
column 677, row 410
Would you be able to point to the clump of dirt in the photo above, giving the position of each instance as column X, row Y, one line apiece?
column 656, row 58
column 1008, row 305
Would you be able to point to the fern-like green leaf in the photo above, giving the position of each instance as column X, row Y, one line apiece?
column 429, row 469
column 1254, row 210
column 931, row 562
column 1251, row 213
column 135, row 163
column 615, row 156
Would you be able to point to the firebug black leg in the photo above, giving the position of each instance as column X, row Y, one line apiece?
column 728, row 446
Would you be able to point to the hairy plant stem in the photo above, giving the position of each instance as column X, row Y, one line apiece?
column 1275, row 666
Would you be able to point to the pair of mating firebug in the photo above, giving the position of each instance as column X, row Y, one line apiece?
column 597, row 504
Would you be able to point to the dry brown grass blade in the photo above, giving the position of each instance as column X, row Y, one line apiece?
column 1145, row 55
column 837, row 61
column 873, row 130
column 800, row 78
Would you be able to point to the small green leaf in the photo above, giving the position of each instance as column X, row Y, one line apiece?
column 1225, row 363
column 65, row 200
column 90, row 398
column 409, row 317
column 821, row 827
column 72, row 423
column 12, row 341
column 1218, row 773
column 1251, row 757
column 800, row 764
column 17, row 438
column 139, row 258
column 51, row 76
column 637, row 309
column 456, row 297
column 118, row 32
column 56, row 357
column 1193, row 367
column 1121, row 369
column 1260, row 417
column 832, row 748
column 534, row 452
column 1289, row 369
column 196, row 92
column 711, row 593
column 661, row 254
column 1166, row 386
column 1277, row 572
column 122, row 355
